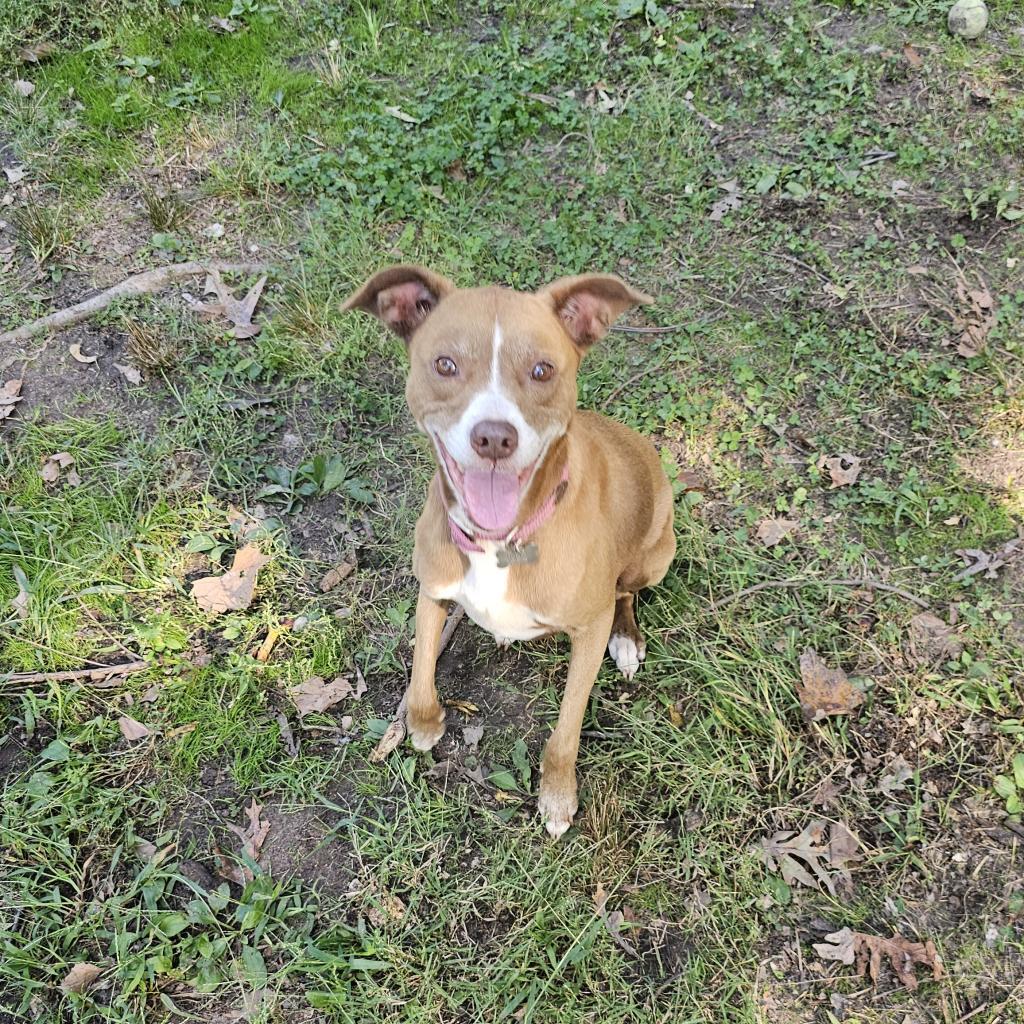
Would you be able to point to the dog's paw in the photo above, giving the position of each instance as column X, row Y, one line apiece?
column 503, row 642
column 557, row 804
column 627, row 653
column 425, row 730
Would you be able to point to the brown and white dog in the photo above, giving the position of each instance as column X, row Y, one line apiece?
column 541, row 518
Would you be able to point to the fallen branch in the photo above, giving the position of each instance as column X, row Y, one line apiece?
column 92, row 675
column 397, row 730
column 787, row 584
column 138, row 284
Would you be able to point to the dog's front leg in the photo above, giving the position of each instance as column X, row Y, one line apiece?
column 424, row 714
column 557, row 801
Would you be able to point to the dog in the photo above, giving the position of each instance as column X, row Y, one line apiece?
column 541, row 517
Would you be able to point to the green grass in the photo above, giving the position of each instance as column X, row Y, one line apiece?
column 814, row 319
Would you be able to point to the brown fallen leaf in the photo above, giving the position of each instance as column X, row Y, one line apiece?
column 843, row 469
column 976, row 316
column 472, row 735
column 316, row 695
column 911, row 56
column 78, row 355
column 54, row 467
column 253, row 837
column 988, row 563
column 22, row 88
column 132, row 730
column 391, row 909
column 245, row 525
column 847, row 946
column 10, row 396
column 466, row 707
column 35, row 53
column 825, row 691
column 772, row 531
column 898, row 774
column 613, row 920
column 238, row 311
column 932, row 640
column 81, row 977
column 235, row 589
column 222, row 25
column 334, row 576
column 392, row 738
column 14, row 174
column 806, row 857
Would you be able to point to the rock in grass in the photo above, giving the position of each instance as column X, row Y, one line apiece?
column 968, row 18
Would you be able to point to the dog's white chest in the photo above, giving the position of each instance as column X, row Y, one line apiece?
column 483, row 593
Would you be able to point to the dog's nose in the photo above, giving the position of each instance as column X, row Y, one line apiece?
column 494, row 439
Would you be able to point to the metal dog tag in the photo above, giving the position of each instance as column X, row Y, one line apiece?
column 511, row 554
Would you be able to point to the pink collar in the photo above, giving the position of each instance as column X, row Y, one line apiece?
column 468, row 543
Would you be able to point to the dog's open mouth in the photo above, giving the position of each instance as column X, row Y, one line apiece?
column 491, row 497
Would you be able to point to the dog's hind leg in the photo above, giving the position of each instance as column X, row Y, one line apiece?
column 626, row 643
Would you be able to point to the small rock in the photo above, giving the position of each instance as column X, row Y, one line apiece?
column 968, row 18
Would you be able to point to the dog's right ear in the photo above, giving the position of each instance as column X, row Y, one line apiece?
column 401, row 297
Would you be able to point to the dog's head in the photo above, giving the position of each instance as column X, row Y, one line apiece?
column 492, row 372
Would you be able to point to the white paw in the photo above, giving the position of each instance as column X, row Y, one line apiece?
column 626, row 653
column 426, row 735
column 556, row 808
column 503, row 642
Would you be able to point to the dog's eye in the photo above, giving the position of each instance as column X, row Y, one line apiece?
column 445, row 366
column 542, row 372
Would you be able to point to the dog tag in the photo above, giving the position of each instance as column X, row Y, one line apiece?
column 511, row 554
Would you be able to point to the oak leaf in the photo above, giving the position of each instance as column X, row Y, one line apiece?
column 825, row 691
column 234, row 590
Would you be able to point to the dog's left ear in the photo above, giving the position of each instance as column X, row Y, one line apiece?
column 401, row 297
column 589, row 304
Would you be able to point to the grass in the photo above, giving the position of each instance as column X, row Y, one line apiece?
column 510, row 143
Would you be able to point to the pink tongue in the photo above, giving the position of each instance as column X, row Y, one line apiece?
column 492, row 498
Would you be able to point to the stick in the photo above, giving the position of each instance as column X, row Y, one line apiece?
column 95, row 675
column 396, row 731
column 138, row 284
column 626, row 329
column 785, row 584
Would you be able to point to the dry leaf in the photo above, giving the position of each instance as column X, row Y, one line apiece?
column 976, row 317
column 982, row 561
column 899, row 774
column 10, row 396
column 132, row 730
column 911, row 56
column 613, row 920
column 234, row 590
column 732, row 200
column 23, row 88
column 843, row 469
column 20, row 600
column 129, row 373
column 222, row 25
column 55, row 464
column 246, row 525
column 316, row 695
column 34, row 53
column 847, row 946
column 466, row 707
column 238, row 311
column 771, row 531
column 393, row 910
column 472, row 735
column 806, row 857
column 253, row 837
column 268, row 644
column 336, row 575
column 77, row 354
column 81, row 978
column 932, row 640
column 825, row 691
column 401, row 115
column 15, row 174
column 390, row 741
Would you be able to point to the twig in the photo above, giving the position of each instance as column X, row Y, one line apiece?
column 786, row 584
column 138, row 284
column 626, row 329
column 94, row 675
column 397, row 730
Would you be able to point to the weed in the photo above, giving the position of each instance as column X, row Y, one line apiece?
column 46, row 230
